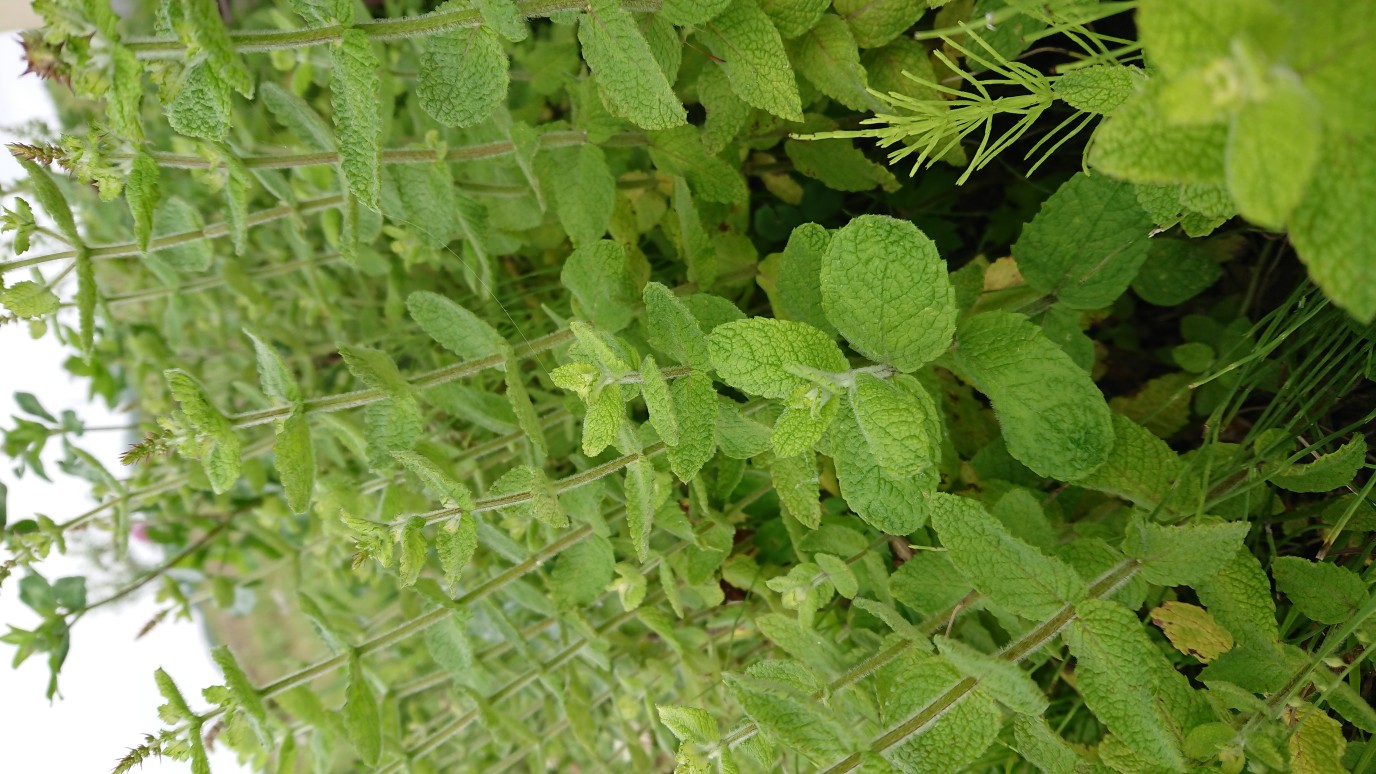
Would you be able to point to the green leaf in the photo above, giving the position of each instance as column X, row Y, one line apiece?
column 762, row 356
column 748, row 47
column 691, row 13
column 1175, row 271
column 1328, row 472
column 827, row 55
column 141, row 191
column 887, row 291
column 1002, row 680
column 1323, row 591
column 786, row 711
column 176, row 708
column 1239, row 597
column 899, row 422
column 454, row 327
column 51, row 198
column 1141, row 469
column 246, row 697
column 362, row 720
column 390, row 425
column 681, row 151
column 890, row 503
column 954, row 740
column 1273, row 148
column 126, row 93
column 174, row 215
column 804, row 421
column 1099, row 89
column 1086, row 243
column 689, row 724
column 375, row 368
column 838, row 164
column 582, row 572
column 355, row 93
column 1116, row 673
column 602, row 422
column 455, row 543
column 293, row 456
column 1183, row 555
column 598, row 276
column 1042, row 747
column 584, row 191
column 658, row 401
column 840, row 574
column 297, row 116
column 412, row 549
column 1137, row 143
column 1053, row 417
column 31, row 405
column 640, row 505
column 794, row 17
column 215, row 444
column 1335, row 222
column 278, row 381
column 27, row 298
column 739, row 436
column 795, row 481
column 672, row 329
column 526, row 418
column 504, row 17
column 798, row 286
column 876, row 22
column 629, row 79
column 201, row 107
column 463, row 76
column 1011, row 573
column 695, row 407
column 450, row 647
column 438, row 481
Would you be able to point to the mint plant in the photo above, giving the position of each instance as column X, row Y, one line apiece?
column 571, row 386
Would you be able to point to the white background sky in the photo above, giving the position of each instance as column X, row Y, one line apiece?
column 109, row 700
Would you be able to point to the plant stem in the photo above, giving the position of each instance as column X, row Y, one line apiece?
column 212, row 231
column 381, row 30
column 479, row 152
column 1018, row 650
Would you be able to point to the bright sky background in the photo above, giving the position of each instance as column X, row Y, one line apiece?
column 109, row 700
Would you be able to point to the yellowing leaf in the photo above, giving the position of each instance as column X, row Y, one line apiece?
column 1192, row 630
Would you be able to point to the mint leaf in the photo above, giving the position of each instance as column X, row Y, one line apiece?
column 695, row 407
column 795, row 481
column 141, row 191
column 454, row 327
column 798, row 286
column 689, row 724
column 27, row 298
column 293, row 455
column 1322, row 591
column 1053, row 417
column 1099, row 89
column 376, row 369
column 1239, row 597
column 956, row 739
column 245, row 696
column 1003, row 680
column 1086, row 243
column 1116, row 672
column 201, row 105
column 762, row 356
column 1330, row 471
column 640, row 505
column 1184, row 555
column 838, row 164
column 51, row 198
column 782, row 704
column 599, row 278
column 438, row 481
column 1332, row 225
column 629, row 79
column 297, row 116
column 890, row 503
column 1013, row 574
column 876, row 22
column 658, row 402
column 355, row 93
column 887, row 291
column 174, row 216
column 690, row 13
column 899, row 422
column 827, row 56
column 672, row 329
column 455, row 542
column 748, row 47
column 278, row 381
column 794, row 17
column 463, row 76
column 582, row 572
column 584, row 191
column 361, row 717
column 1141, row 469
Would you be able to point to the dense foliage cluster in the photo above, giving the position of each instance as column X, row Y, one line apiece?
column 572, row 385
